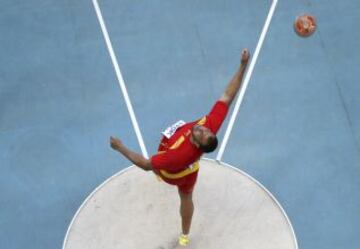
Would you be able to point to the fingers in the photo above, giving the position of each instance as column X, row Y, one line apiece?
column 113, row 139
column 114, row 142
column 245, row 55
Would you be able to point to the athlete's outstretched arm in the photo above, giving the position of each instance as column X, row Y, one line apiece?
column 235, row 83
column 134, row 157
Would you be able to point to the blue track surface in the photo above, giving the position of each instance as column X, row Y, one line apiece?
column 298, row 130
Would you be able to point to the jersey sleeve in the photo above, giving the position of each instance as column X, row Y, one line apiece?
column 217, row 115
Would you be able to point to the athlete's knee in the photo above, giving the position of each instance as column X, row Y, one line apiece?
column 185, row 196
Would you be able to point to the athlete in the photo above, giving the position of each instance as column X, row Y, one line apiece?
column 182, row 145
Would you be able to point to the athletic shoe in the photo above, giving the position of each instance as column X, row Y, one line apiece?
column 184, row 240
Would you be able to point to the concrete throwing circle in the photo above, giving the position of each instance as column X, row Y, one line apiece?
column 133, row 210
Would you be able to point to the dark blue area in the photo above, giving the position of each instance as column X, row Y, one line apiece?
column 59, row 105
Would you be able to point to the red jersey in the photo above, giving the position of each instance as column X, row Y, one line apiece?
column 177, row 153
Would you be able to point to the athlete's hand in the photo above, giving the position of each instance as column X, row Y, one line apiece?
column 245, row 55
column 116, row 143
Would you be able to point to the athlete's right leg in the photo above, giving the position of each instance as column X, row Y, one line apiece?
column 186, row 211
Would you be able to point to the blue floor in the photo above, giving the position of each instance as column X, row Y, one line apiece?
column 298, row 130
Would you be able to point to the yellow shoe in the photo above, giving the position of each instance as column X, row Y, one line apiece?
column 184, row 240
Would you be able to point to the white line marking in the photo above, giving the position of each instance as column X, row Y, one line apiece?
column 206, row 159
column 246, row 81
column 120, row 79
column 88, row 198
column 267, row 191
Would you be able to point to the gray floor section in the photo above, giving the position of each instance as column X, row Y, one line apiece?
column 134, row 210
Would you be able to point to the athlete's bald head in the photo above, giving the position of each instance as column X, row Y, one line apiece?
column 205, row 138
